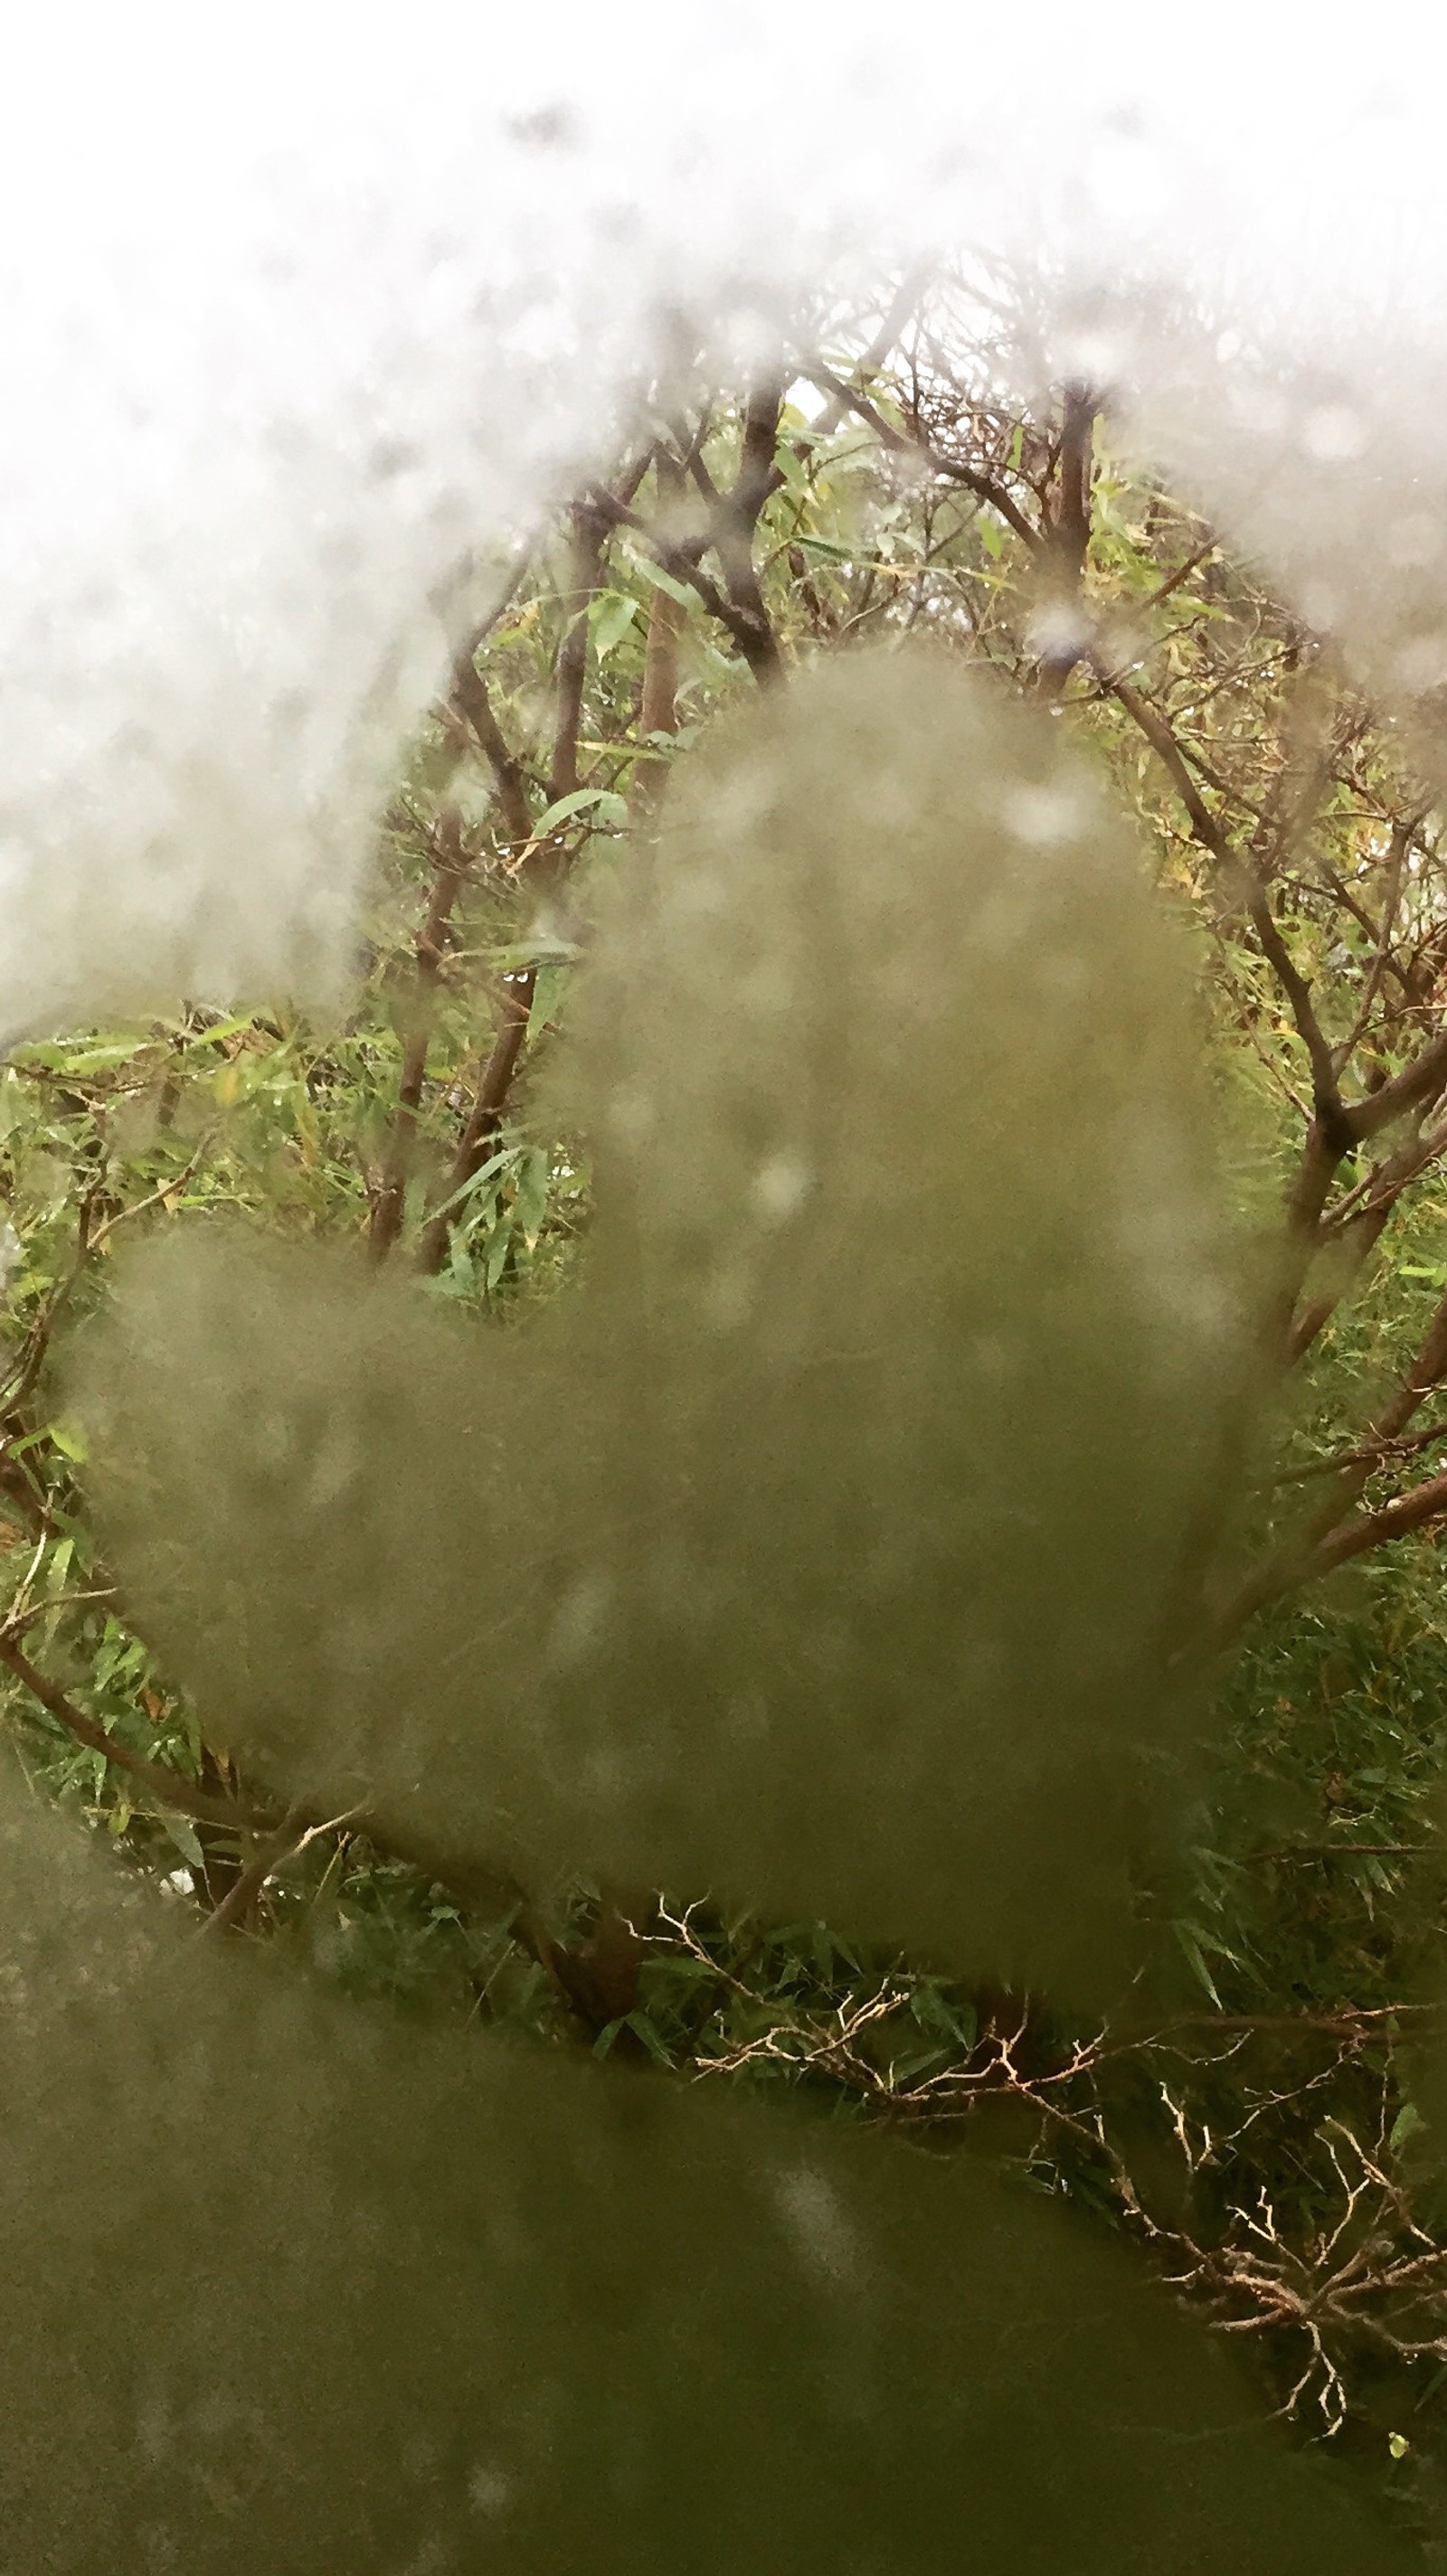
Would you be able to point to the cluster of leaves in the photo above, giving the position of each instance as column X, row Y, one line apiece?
column 888, row 487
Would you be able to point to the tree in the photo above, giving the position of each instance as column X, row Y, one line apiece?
column 901, row 495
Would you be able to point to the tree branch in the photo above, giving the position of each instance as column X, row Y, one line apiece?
column 470, row 694
column 1329, row 1538
column 736, row 523
column 167, row 1787
column 592, row 521
column 984, row 486
column 658, row 710
column 1414, row 1510
column 1333, row 1129
column 449, row 868
column 484, row 1125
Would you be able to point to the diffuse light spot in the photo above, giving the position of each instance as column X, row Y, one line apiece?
column 1042, row 816
column 1334, row 434
column 818, row 2227
column 781, row 1188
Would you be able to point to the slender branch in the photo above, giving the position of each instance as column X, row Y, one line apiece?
column 682, row 561
column 449, row 868
column 658, row 711
column 1362, row 1230
column 1411, row 1511
column 470, row 693
column 736, row 523
column 984, row 486
column 902, row 304
column 1364, row 1453
column 292, row 1836
column 1172, row 583
column 1331, row 1111
column 167, row 1787
column 1333, row 1129
column 1387, row 1426
column 1071, row 532
column 1330, row 1538
column 235, row 1908
column 591, row 524
column 1346, row 1851
column 1067, row 544
column 467, row 708
column 590, row 537
column 484, row 1125
column 1418, row 1084
column 1396, row 863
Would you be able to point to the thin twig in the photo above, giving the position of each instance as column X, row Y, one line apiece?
column 291, row 1837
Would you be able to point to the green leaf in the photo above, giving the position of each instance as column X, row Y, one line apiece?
column 659, row 579
column 680, row 1970
column 497, row 1253
column 827, row 546
column 934, row 2011
column 906, row 2070
column 59, row 1566
column 183, row 1835
column 549, row 986
column 222, row 1029
column 610, row 808
column 503, row 1158
column 642, row 2028
column 80, row 1060
column 1191, row 1945
column 533, row 952
column 530, row 1204
column 722, row 666
column 613, row 612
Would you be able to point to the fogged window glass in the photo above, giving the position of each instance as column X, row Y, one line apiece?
column 723, row 1303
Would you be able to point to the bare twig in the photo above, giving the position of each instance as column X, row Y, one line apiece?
column 292, row 1836
column 986, row 487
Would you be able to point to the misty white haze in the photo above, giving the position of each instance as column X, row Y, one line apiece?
column 311, row 313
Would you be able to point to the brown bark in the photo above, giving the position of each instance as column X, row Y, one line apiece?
column 484, row 1125
column 449, row 867
column 658, row 712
